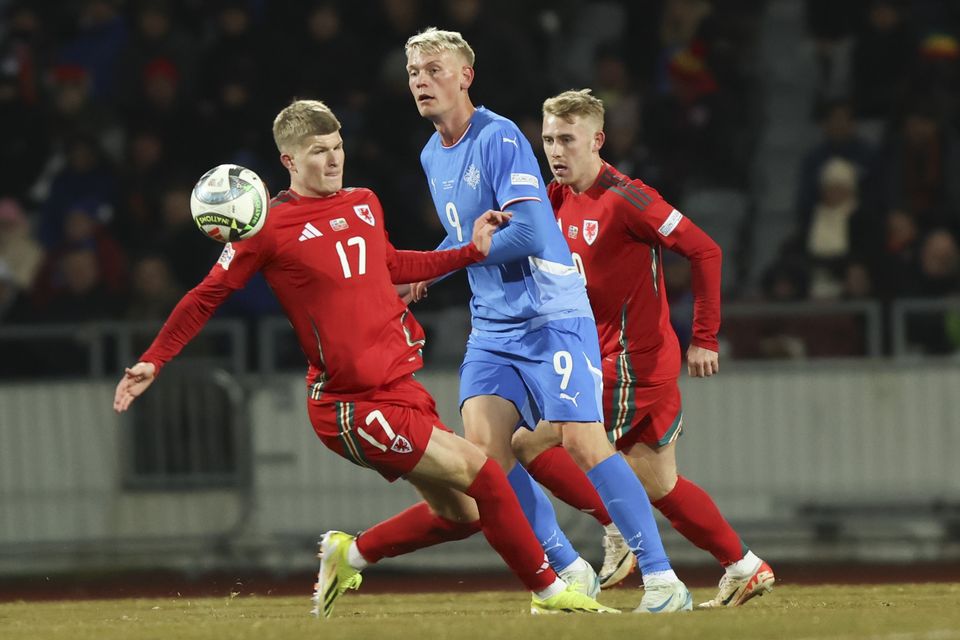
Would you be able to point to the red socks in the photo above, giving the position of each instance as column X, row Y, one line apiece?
column 507, row 529
column 501, row 520
column 416, row 528
column 556, row 470
column 694, row 514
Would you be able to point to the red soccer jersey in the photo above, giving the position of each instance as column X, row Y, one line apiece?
column 331, row 266
column 616, row 230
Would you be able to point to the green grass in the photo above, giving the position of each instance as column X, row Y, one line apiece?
column 894, row 612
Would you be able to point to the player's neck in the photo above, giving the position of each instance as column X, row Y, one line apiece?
column 304, row 191
column 589, row 177
column 453, row 125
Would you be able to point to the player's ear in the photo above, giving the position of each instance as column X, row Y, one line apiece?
column 466, row 77
column 598, row 139
column 287, row 161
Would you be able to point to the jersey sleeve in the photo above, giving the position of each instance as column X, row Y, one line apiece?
column 415, row 266
column 231, row 272
column 511, row 166
column 649, row 217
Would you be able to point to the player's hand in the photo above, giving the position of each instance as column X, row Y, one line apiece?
column 414, row 292
column 134, row 382
column 484, row 227
column 702, row 363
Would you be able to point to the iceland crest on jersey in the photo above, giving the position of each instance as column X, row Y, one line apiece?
column 472, row 176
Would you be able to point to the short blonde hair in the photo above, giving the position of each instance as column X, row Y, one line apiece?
column 301, row 119
column 433, row 40
column 572, row 103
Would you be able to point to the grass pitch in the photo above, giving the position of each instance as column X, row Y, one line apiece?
column 894, row 612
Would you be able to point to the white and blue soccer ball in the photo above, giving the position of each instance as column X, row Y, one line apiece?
column 229, row 203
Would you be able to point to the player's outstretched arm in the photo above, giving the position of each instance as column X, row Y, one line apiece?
column 483, row 229
column 135, row 381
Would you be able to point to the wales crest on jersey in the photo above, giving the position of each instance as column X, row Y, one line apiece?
column 591, row 228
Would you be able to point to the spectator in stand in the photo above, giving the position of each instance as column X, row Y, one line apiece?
column 326, row 37
column 840, row 139
column 156, row 36
column 143, row 175
column 834, row 230
column 21, row 254
column 161, row 105
column 832, row 24
column 75, row 113
column 895, row 264
column 100, row 37
column 939, row 276
column 14, row 307
column 25, row 145
column 883, row 56
column 87, row 181
column 82, row 229
column 82, row 295
column 188, row 252
column 918, row 167
column 154, row 292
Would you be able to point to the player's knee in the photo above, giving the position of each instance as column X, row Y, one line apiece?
column 587, row 444
column 657, row 478
column 524, row 448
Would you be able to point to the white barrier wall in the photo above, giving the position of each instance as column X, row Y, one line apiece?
column 762, row 440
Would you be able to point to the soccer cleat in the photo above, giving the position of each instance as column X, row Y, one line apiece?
column 660, row 596
column 581, row 577
column 736, row 591
column 618, row 559
column 336, row 575
column 568, row 601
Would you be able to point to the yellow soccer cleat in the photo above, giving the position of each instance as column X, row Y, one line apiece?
column 336, row 575
column 569, row 601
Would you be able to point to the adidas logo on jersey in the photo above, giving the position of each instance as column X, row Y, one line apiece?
column 310, row 232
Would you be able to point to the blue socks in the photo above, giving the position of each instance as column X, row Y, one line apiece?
column 543, row 519
column 628, row 505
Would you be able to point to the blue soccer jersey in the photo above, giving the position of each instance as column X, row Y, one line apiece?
column 529, row 278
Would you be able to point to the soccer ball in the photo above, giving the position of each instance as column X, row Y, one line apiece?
column 229, row 203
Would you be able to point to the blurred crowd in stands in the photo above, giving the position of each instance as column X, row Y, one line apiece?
column 111, row 109
column 878, row 197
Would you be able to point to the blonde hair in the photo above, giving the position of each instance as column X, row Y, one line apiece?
column 433, row 40
column 300, row 119
column 580, row 103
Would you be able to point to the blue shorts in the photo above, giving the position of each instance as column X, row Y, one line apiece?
column 551, row 373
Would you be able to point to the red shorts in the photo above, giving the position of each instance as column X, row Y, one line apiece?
column 386, row 431
column 648, row 413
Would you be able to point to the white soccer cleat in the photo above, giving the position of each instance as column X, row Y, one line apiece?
column 618, row 559
column 581, row 577
column 735, row 591
column 661, row 596
column 336, row 575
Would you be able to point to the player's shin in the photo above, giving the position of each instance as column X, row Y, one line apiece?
column 415, row 528
column 503, row 524
column 557, row 471
column 630, row 509
column 542, row 518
